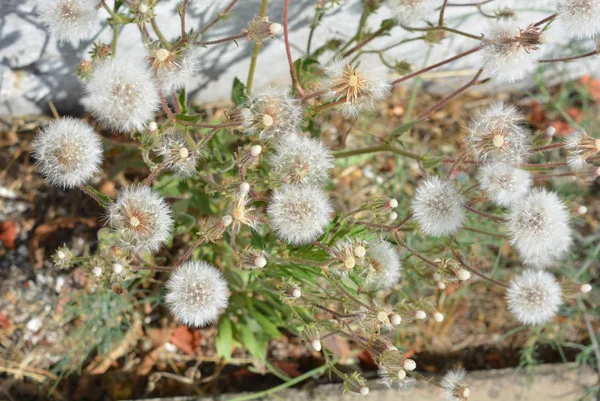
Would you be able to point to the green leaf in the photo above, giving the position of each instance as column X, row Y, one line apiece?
column 194, row 118
column 182, row 99
column 398, row 132
column 238, row 92
column 224, row 340
column 269, row 328
column 256, row 347
column 429, row 162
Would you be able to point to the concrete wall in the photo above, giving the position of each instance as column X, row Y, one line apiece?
column 34, row 68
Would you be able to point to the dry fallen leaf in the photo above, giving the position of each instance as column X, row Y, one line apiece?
column 8, row 233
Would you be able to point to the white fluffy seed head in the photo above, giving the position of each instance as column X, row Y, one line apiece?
column 296, row 293
column 396, row 319
column 97, row 271
column 454, row 387
column 538, row 226
column 117, row 268
column 438, row 317
column 438, row 207
column 579, row 17
column 176, row 69
column 496, row 133
column 177, row 152
column 316, row 345
column 299, row 213
column 141, row 219
column 301, row 160
column 196, row 293
column 384, row 265
column 409, row 364
column 581, row 147
column 534, row 297
column 360, row 86
column 70, row 20
column 122, row 95
column 420, row 315
column 509, row 53
column 408, row 12
column 275, row 113
column 68, row 152
column 504, row 183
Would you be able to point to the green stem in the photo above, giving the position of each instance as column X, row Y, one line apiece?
column 115, row 39
column 159, row 33
column 263, row 11
column 476, row 230
column 283, row 386
column 377, row 148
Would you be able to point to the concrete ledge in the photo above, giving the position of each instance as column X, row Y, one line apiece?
column 567, row 382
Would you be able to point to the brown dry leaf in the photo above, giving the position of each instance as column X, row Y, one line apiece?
column 4, row 322
column 593, row 85
column 288, row 367
column 8, row 233
column 339, row 346
column 185, row 339
column 159, row 336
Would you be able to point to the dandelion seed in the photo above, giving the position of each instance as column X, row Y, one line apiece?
column 504, row 183
column 359, row 86
column 122, row 95
column 68, row 152
column 581, row 147
column 177, row 68
column 438, row 207
column 453, row 386
column 407, row 12
column 534, row 297
column 274, row 113
column 70, row 20
column 178, row 152
column 197, row 293
column 509, row 52
column 579, row 17
column 496, row 133
column 141, row 219
column 383, row 264
column 299, row 213
column 301, row 160
column 538, row 227
column 261, row 29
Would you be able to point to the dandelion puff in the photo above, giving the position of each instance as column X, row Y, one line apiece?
column 384, row 265
column 68, row 152
column 497, row 133
column 453, row 386
column 299, row 213
column 581, row 147
column 122, row 95
column 438, row 207
column 359, row 86
column 504, row 183
column 141, row 219
column 274, row 113
column 70, row 20
column 406, row 12
column 175, row 69
column 301, row 160
column 509, row 52
column 177, row 152
column 534, row 297
column 196, row 293
column 579, row 17
column 538, row 226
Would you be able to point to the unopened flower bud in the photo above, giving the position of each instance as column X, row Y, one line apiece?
column 152, row 127
column 256, row 150
column 296, row 293
column 409, row 364
column 393, row 216
column 396, row 319
column 392, row 203
column 260, row 262
column 143, row 8
column 364, row 390
column 244, row 188
column 382, row 316
column 463, row 275
column 226, row 220
column 275, row 28
column 97, row 271
column 420, row 315
column 401, row 374
column 316, row 345
column 360, row 251
column 117, row 268
column 438, row 317
column 585, row 288
column 260, row 29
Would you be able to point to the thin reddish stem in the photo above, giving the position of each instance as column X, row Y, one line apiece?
column 223, row 40
column 220, row 16
column 565, row 59
column 288, row 49
column 486, row 215
column 548, row 147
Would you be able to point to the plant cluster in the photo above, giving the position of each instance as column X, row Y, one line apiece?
column 275, row 242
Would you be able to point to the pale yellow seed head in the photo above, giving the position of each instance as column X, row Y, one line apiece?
column 162, row 54
column 134, row 221
column 498, row 141
column 184, row 153
column 267, row 120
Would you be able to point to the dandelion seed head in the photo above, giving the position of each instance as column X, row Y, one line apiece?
column 534, row 297
column 581, row 147
column 384, row 265
column 438, row 207
column 538, row 226
column 141, row 219
column 301, row 160
column 68, row 152
column 275, row 113
column 496, row 133
column 579, row 17
column 196, row 293
column 509, row 52
column 177, row 152
column 122, row 95
column 299, row 213
column 406, row 12
column 70, row 20
column 453, row 386
column 175, row 69
column 360, row 86
column 504, row 183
